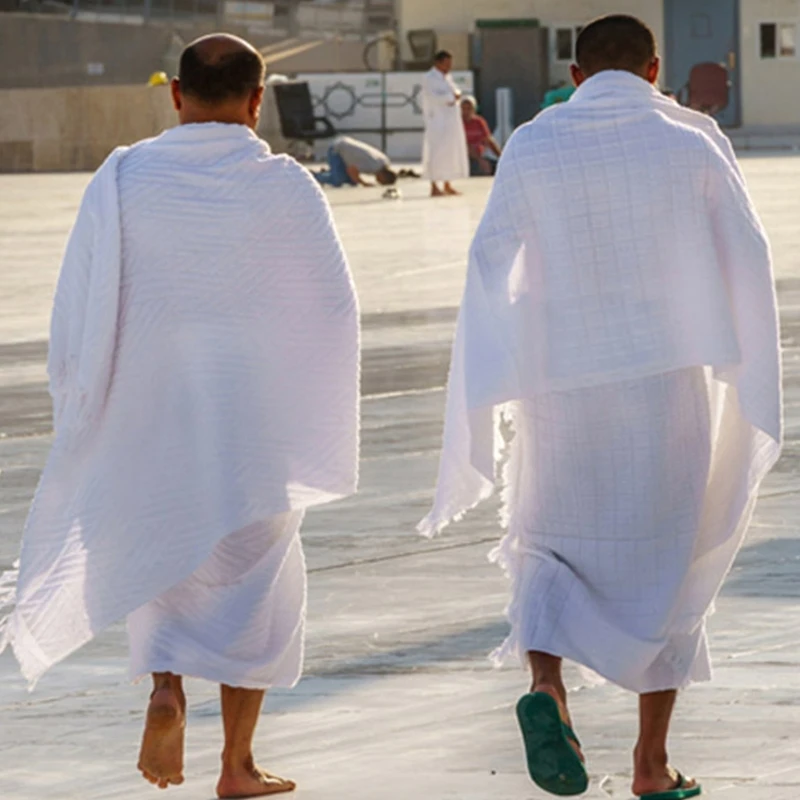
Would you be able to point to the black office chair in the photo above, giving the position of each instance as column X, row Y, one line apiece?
column 296, row 111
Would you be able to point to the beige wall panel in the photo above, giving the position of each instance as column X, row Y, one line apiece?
column 770, row 88
column 76, row 128
column 461, row 15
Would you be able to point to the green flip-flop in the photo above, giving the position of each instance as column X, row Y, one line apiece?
column 682, row 791
column 553, row 763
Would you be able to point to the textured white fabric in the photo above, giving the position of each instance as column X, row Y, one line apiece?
column 610, row 488
column 239, row 619
column 222, row 393
column 618, row 243
column 444, row 152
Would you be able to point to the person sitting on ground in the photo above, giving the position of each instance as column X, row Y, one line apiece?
column 479, row 139
column 349, row 159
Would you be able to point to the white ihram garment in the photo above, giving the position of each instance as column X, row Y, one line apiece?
column 204, row 371
column 238, row 619
column 444, row 152
column 620, row 309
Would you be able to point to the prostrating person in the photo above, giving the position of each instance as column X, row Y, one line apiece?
column 349, row 160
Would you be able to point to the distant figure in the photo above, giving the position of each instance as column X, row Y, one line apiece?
column 479, row 139
column 444, row 157
column 350, row 159
column 561, row 94
column 204, row 371
column 619, row 319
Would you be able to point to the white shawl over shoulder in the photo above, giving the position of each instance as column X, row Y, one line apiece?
column 618, row 241
column 204, row 371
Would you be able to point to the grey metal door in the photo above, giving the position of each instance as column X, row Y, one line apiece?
column 700, row 31
column 513, row 55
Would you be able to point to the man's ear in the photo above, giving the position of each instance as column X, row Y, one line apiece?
column 653, row 70
column 577, row 74
column 175, row 91
column 255, row 101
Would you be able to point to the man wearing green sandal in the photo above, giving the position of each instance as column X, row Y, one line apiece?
column 620, row 316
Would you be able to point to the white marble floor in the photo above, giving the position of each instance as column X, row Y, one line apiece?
column 399, row 700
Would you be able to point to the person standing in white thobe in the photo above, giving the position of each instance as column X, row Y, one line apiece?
column 204, row 372
column 619, row 316
column 444, row 155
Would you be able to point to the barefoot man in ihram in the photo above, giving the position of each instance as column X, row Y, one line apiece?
column 444, row 152
column 620, row 314
column 204, row 371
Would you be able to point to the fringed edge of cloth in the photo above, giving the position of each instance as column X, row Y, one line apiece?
column 8, row 601
column 438, row 519
column 506, row 554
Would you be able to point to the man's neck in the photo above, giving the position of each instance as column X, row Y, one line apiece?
column 226, row 114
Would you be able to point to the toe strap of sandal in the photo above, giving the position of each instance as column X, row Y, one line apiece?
column 682, row 782
column 570, row 734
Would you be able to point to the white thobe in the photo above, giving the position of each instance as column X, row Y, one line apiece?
column 620, row 310
column 204, row 371
column 444, row 154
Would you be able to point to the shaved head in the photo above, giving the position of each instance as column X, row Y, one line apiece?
column 616, row 42
column 220, row 68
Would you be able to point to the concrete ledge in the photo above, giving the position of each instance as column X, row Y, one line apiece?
column 66, row 129
column 763, row 138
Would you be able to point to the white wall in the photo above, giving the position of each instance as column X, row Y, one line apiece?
column 352, row 101
column 770, row 88
column 447, row 16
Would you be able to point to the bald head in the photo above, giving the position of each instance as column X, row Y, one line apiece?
column 220, row 68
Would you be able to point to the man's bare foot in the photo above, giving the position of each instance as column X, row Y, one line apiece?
column 650, row 780
column 250, row 781
column 161, row 756
column 449, row 190
column 436, row 192
column 559, row 694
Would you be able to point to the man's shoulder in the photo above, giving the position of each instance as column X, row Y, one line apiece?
column 689, row 116
column 703, row 123
column 279, row 173
column 678, row 131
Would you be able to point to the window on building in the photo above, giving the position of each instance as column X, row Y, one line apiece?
column 565, row 46
column 701, row 26
column 564, row 40
column 778, row 40
column 787, row 41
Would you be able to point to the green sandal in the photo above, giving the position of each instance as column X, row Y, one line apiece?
column 681, row 791
column 553, row 763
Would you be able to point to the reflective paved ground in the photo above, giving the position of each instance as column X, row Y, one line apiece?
column 399, row 700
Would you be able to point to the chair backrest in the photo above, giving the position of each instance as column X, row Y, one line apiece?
column 423, row 44
column 295, row 108
column 709, row 88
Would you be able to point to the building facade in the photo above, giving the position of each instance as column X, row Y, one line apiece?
column 756, row 40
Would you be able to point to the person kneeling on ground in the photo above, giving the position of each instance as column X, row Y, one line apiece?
column 349, row 159
column 479, row 139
